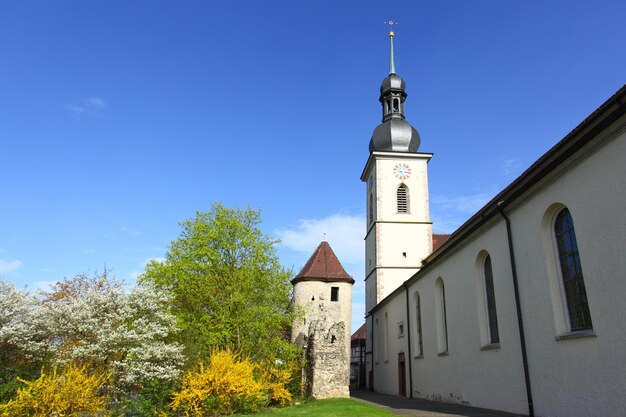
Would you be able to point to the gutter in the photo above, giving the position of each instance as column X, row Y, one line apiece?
column 408, row 333
column 520, row 323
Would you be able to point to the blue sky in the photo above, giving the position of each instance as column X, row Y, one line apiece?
column 119, row 119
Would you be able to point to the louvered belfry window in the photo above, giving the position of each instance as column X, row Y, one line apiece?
column 403, row 199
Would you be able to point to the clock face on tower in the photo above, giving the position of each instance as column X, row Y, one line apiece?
column 402, row 171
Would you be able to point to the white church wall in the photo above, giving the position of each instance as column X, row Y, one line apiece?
column 582, row 376
column 470, row 371
column 388, row 344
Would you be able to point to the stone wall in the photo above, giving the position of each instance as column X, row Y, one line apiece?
column 326, row 374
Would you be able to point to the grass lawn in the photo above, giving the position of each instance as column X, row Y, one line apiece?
column 335, row 407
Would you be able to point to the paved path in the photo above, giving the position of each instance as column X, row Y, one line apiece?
column 423, row 408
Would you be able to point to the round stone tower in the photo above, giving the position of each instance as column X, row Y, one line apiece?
column 322, row 296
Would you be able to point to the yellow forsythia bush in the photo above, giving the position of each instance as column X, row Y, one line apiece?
column 229, row 384
column 274, row 382
column 72, row 391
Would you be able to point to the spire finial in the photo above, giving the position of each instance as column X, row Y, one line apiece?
column 392, row 67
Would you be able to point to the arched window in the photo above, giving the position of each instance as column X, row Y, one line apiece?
column 419, row 345
column 386, row 341
column 490, row 301
column 378, row 347
column 442, row 321
column 371, row 208
column 402, row 195
column 571, row 272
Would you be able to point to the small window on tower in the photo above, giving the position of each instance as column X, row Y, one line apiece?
column 334, row 293
column 396, row 105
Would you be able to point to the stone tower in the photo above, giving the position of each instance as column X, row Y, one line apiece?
column 398, row 227
column 322, row 294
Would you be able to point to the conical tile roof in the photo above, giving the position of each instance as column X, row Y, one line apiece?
column 323, row 266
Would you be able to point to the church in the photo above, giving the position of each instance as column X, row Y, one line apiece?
column 522, row 308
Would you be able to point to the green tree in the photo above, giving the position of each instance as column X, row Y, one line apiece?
column 228, row 287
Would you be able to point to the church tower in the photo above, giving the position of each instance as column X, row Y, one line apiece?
column 399, row 231
column 322, row 296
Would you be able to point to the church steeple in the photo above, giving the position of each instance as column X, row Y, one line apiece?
column 394, row 134
column 398, row 232
column 392, row 67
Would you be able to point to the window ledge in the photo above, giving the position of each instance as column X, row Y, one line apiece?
column 577, row 334
column 444, row 353
column 490, row 346
column 420, row 356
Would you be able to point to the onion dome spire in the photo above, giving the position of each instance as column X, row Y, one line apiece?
column 394, row 134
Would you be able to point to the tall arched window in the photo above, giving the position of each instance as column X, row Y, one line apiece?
column 419, row 345
column 377, row 333
column 386, row 341
column 571, row 272
column 442, row 321
column 402, row 195
column 490, row 301
column 371, row 208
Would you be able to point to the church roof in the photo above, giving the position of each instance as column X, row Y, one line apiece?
column 323, row 266
column 439, row 240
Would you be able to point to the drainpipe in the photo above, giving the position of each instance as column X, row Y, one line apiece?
column 520, row 324
column 408, row 339
column 371, row 352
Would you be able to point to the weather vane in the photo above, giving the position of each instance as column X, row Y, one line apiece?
column 391, row 22
column 392, row 66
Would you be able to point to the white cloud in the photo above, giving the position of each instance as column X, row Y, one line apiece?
column 95, row 103
column 91, row 106
column 6, row 267
column 448, row 213
column 129, row 230
column 468, row 204
column 135, row 274
column 511, row 167
column 447, row 223
column 344, row 233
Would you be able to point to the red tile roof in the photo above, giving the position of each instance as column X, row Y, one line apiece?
column 359, row 334
column 439, row 240
column 323, row 265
